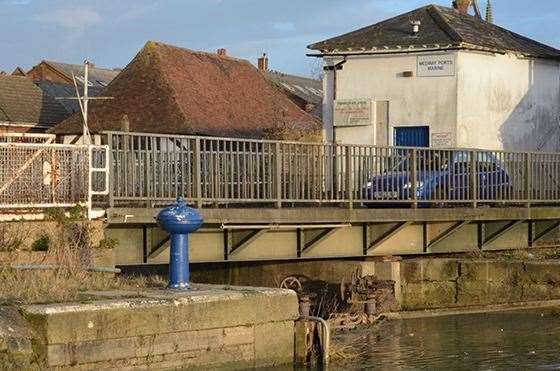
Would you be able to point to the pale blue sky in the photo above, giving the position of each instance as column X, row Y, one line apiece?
column 110, row 32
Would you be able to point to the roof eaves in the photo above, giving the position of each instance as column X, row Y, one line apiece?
column 391, row 49
column 474, row 47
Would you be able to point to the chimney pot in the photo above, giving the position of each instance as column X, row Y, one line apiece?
column 263, row 63
column 462, row 5
column 222, row 52
column 415, row 27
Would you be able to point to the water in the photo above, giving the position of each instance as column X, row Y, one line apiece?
column 515, row 340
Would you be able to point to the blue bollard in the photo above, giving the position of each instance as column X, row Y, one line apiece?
column 179, row 220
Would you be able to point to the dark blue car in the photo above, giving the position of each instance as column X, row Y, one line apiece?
column 441, row 177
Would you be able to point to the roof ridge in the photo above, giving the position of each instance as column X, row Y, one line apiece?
column 201, row 52
column 435, row 14
column 377, row 24
column 79, row 65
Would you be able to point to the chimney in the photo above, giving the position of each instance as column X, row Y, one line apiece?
column 222, row 52
column 462, row 5
column 263, row 63
column 125, row 124
column 415, row 27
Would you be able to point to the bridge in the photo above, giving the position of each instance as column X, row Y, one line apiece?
column 281, row 200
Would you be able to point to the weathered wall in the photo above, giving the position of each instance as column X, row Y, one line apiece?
column 413, row 101
column 208, row 327
column 506, row 102
column 494, row 101
column 445, row 283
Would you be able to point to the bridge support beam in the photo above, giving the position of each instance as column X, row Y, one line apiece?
column 315, row 233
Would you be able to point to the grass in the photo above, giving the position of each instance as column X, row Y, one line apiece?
column 69, row 247
column 62, row 285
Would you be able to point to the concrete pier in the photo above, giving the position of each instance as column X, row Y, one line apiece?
column 209, row 326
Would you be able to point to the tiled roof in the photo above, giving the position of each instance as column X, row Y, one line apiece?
column 61, row 90
column 441, row 28
column 98, row 77
column 306, row 89
column 167, row 89
column 21, row 102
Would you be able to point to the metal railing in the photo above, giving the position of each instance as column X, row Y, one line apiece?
column 154, row 169
column 27, row 138
column 34, row 176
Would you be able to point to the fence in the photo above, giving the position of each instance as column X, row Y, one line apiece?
column 36, row 175
column 155, row 169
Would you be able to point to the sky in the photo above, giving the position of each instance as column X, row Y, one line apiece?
column 111, row 32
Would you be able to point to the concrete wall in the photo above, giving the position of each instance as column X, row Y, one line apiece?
column 445, row 283
column 205, row 328
column 413, row 101
column 506, row 102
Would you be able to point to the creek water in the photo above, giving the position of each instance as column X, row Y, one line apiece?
column 512, row 340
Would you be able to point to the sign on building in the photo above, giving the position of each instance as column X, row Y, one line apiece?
column 436, row 65
column 352, row 112
column 442, row 140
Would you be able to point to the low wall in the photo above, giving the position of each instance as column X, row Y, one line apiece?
column 445, row 283
column 210, row 326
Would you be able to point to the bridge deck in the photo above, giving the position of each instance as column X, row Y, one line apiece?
column 309, row 215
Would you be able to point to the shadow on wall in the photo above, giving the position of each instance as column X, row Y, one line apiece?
column 534, row 123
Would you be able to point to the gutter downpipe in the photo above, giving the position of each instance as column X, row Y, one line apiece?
column 334, row 68
column 325, row 336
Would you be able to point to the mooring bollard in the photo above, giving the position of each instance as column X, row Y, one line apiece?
column 179, row 220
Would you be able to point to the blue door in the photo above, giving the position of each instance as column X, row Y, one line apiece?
column 412, row 136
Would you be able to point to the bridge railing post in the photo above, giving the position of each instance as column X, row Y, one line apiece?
column 197, row 179
column 278, row 175
column 414, row 178
column 473, row 181
column 112, row 170
column 349, row 176
column 528, row 179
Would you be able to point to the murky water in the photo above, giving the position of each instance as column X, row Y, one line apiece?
column 516, row 340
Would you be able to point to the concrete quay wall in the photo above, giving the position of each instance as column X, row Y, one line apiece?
column 448, row 283
column 209, row 327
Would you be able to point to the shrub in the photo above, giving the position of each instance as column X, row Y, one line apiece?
column 107, row 243
column 42, row 243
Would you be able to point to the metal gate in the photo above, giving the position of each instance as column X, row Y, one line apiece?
column 412, row 136
column 36, row 175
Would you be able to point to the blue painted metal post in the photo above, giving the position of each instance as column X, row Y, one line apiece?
column 179, row 220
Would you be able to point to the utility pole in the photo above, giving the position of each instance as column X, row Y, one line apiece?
column 83, row 101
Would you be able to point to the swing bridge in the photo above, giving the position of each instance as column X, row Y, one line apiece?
column 281, row 200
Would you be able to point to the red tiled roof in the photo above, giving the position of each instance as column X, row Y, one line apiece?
column 166, row 89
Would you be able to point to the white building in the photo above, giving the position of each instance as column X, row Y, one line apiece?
column 438, row 77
